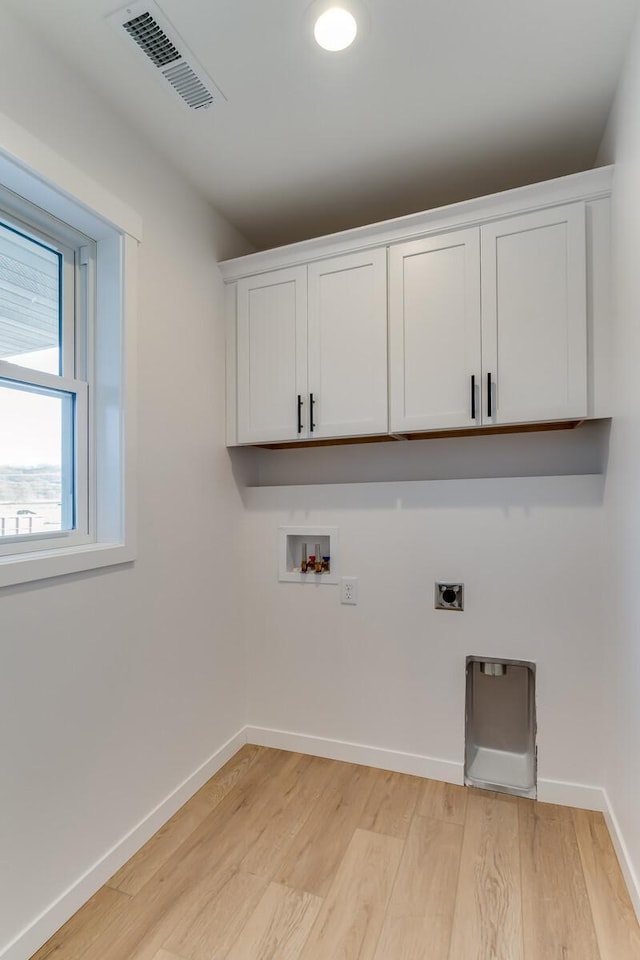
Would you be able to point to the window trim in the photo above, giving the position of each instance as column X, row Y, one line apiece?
column 41, row 177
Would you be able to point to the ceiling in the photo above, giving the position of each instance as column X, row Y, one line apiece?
column 437, row 101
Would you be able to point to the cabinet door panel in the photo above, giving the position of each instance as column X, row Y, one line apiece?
column 348, row 344
column 434, row 331
column 534, row 328
column 272, row 351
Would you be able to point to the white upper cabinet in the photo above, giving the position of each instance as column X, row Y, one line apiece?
column 434, row 332
column 271, row 355
column 348, row 345
column 312, row 351
column 488, row 326
column 534, row 318
column 493, row 312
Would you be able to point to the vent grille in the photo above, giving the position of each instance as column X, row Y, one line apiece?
column 146, row 26
column 185, row 82
column 154, row 41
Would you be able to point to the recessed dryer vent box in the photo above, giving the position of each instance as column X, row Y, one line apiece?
column 293, row 541
column 500, row 751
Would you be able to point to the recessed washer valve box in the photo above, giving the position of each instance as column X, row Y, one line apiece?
column 449, row 596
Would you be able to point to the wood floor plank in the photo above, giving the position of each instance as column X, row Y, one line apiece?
column 316, row 853
column 279, row 926
column 617, row 929
column 132, row 877
column 165, row 955
column 215, row 847
column 487, row 923
column 391, row 804
column 231, row 774
column 494, row 794
column 209, row 925
column 76, row 937
column 259, row 835
column 556, row 913
column 419, row 918
column 349, row 923
column 287, row 816
column 442, row 801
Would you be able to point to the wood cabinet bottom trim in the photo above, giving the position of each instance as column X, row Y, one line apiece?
column 427, row 435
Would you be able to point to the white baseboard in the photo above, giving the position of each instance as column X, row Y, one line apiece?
column 56, row 914
column 413, row 763
column 572, row 795
column 622, row 852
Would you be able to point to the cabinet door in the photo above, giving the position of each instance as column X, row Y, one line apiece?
column 348, row 345
column 271, row 355
column 534, row 323
column 434, row 332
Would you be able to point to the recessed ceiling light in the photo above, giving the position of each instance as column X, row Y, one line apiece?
column 335, row 29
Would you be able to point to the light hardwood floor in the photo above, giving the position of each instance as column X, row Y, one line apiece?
column 282, row 856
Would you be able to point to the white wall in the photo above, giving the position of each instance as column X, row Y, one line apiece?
column 115, row 686
column 389, row 673
column 621, row 647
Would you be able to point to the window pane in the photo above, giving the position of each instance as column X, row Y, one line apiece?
column 36, row 460
column 30, row 297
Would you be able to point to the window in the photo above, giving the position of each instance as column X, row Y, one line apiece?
column 46, row 322
column 68, row 252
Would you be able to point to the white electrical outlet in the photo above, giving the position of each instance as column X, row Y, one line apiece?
column 349, row 590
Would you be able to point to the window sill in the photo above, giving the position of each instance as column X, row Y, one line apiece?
column 44, row 564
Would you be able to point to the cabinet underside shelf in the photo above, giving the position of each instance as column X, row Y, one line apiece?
column 428, row 435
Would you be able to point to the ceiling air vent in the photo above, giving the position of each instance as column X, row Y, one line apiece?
column 147, row 27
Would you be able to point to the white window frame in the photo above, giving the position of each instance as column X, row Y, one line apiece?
column 83, row 486
column 42, row 178
column 76, row 376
